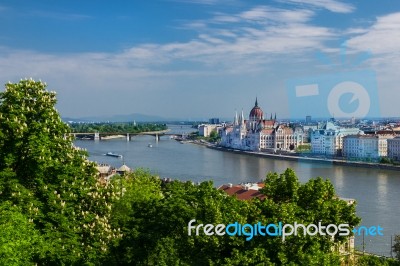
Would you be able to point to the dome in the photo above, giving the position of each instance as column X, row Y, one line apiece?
column 256, row 113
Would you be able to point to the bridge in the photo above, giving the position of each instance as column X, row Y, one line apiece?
column 105, row 135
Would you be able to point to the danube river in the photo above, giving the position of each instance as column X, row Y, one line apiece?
column 376, row 191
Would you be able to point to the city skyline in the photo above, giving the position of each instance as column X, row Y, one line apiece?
column 195, row 59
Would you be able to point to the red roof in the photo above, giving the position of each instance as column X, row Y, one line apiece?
column 267, row 131
column 242, row 193
column 229, row 129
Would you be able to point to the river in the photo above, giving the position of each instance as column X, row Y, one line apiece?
column 377, row 191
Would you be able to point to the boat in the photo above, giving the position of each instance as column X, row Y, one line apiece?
column 150, row 146
column 114, row 155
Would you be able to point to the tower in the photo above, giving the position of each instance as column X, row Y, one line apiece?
column 235, row 119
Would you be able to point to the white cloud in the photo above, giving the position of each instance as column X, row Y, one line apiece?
column 223, row 47
column 227, row 45
column 331, row 5
column 382, row 37
column 266, row 13
column 262, row 31
column 355, row 31
column 57, row 15
column 226, row 19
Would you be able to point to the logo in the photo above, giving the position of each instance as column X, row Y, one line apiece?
column 346, row 93
column 279, row 230
column 338, row 95
column 341, row 94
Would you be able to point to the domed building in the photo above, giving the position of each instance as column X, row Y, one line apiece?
column 256, row 113
column 258, row 134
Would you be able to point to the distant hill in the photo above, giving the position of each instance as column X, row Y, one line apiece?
column 120, row 118
column 137, row 118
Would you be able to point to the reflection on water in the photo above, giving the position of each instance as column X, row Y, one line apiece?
column 376, row 191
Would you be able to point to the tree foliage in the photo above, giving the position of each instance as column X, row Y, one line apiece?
column 155, row 223
column 214, row 137
column 49, row 180
column 304, row 148
column 155, row 228
column 310, row 203
column 20, row 242
column 116, row 127
column 396, row 246
column 372, row 260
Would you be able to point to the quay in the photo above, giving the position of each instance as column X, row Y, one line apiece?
column 304, row 159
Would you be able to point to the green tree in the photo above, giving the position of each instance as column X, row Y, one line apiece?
column 155, row 226
column 283, row 187
column 50, row 180
column 20, row 242
column 154, row 219
column 115, row 127
column 386, row 160
column 213, row 136
column 304, row 148
column 315, row 201
column 371, row 260
column 396, row 246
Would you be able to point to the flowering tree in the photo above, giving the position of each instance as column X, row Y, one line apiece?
column 18, row 237
column 49, row 179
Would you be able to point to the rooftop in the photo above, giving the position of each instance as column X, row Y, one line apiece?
column 246, row 191
column 124, row 168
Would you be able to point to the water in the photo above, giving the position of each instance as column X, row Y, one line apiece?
column 376, row 191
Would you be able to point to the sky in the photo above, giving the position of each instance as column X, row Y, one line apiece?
column 191, row 59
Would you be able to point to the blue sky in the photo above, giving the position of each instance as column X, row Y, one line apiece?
column 197, row 59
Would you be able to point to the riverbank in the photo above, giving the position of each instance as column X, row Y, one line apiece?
column 113, row 137
column 300, row 158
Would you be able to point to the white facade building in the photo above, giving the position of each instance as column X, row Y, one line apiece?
column 259, row 134
column 365, row 147
column 329, row 139
column 393, row 146
column 205, row 129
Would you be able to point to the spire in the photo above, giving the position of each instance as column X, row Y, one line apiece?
column 271, row 117
column 256, row 104
column 235, row 120
column 275, row 117
column 242, row 118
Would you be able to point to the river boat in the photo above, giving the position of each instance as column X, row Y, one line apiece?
column 114, row 155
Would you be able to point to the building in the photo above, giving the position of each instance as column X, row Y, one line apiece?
column 213, row 121
column 365, row 147
column 307, row 130
column 246, row 191
column 104, row 170
column 308, row 119
column 329, row 139
column 206, row 129
column 123, row 170
column 257, row 133
column 393, row 148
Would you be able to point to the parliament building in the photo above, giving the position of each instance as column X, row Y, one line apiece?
column 257, row 133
